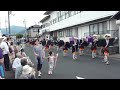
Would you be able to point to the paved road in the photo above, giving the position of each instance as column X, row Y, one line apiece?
column 84, row 67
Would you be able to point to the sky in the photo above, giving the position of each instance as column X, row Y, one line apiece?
column 17, row 18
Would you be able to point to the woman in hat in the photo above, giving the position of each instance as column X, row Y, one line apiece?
column 106, row 43
column 27, row 73
column 6, row 52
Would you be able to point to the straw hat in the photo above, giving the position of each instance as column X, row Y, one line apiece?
column 4, row 38
column 75, row 37
column 84, row 37
column 27, row 69
column 94, row 35
column 107, row 35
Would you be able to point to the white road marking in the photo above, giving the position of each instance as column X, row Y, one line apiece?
column 79, row 77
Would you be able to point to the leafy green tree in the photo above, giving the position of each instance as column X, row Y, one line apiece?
column 19, row 36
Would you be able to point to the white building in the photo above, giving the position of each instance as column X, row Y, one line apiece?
column 33, row 31
column 66, row 24
column 45, row 28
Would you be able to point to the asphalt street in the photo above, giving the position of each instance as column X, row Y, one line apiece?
column 85, row 67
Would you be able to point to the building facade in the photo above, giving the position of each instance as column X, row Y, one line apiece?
column 33, row 31
column 66, row 24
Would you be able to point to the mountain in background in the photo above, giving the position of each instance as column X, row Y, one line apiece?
column 14, row 30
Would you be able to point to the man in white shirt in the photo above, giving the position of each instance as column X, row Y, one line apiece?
column 5, row 49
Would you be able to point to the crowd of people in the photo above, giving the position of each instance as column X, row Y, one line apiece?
column 13, row 57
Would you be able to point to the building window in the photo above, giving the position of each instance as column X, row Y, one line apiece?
column 76, row 31
column 99, row 28
column 75, row 12
column 66, row 14
column 71, row 13
column 96, row 29
column 69, row 33
column 50, row 22
column 35, row 30
column 61, row 33
column 104, row 24
column 55, row 20
column 91, row 29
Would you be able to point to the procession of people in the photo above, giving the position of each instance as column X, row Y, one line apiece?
column 13, row 57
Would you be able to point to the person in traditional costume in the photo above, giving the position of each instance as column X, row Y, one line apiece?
column 47, row 45
column 75, row 48
column 106, row 43
column 94, row 46
column 82, row 45
column 65, row 49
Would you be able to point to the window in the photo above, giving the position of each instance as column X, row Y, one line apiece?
column 91, row 29
column 50, row 22
column 69, row 33
column 55, row 20
column 61, row 33
column 100, row 28
column 66, row 14
column 71, row 13
column 76, row 31
column 35, row 30
column 63, row 14
column 58, row 16
column 104, row 24
column 96, row 29
column 75, row 12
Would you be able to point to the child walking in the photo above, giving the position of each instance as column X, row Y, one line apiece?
column 52, row 61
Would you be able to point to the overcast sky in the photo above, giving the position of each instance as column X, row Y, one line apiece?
column 33, row 17
column 18, row 17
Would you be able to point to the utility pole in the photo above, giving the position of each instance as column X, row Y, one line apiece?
column 6, row 26
column 9, row 12
column 24, row 21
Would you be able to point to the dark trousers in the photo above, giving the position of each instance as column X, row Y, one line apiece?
column 6, row 61
column 39, row 66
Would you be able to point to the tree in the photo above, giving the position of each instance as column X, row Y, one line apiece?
column 19, row 36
